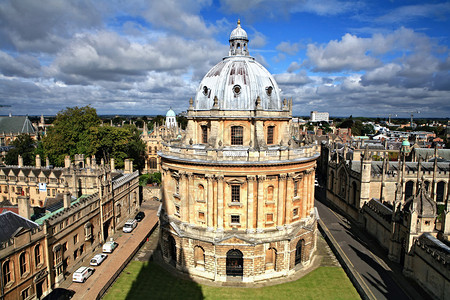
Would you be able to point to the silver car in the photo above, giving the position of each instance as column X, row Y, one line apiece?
column 98, row 259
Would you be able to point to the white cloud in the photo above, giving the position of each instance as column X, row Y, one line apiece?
column 288, row 47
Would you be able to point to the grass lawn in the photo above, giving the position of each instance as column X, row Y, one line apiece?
column 149, row 281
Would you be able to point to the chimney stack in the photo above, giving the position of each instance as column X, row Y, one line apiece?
column 128, row 166
column 20, row 161
column 67, row 161
column 66, row 196
column 24, row 207
column 38, row 161
column 113, row 164
column 47, row 163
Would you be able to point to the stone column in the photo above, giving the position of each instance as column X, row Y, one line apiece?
column 190, row 197
column 250, row 213
column 210, row 202
column 260, row 197
column 220, row 202
column 289, row 196
column 281, row 199
column 304, row 199
column 184, row 198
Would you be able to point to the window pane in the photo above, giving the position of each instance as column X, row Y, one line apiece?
column 237, row 135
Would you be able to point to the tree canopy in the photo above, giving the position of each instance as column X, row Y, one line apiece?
column 78, row 131
column 24, row 145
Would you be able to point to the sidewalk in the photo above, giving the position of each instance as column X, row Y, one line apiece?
column 105, row 274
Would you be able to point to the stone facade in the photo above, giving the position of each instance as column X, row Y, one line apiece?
column 238, row 191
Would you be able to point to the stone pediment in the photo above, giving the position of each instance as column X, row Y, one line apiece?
column 234, row 239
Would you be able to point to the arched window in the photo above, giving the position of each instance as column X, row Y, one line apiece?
column 199, row 257
column 152, row 163
column 201, row 192
column 342, row 183
column 354, row 193
column 23, row 263
column 295, row 188
column 271, row 258
column 237, row 135
column 440, row 191
column 235, row 263
column 172, row 247
column 270, row 194
column 204, row 134
column 270, row 132
column 427, row 186
column 37, row 255
column 7, row 274
column 409, row 189
column 298, row 251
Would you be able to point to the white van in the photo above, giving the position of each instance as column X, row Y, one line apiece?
column 129, row 225
column 82, row 274
column 109, row 247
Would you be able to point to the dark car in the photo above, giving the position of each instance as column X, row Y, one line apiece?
column 139, row 216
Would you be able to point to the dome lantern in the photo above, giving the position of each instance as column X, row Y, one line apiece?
column 238, row 41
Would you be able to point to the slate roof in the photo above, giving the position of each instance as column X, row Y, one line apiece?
column 11, row 223
column 427, row 153
column 16, row 124
column 376, row 166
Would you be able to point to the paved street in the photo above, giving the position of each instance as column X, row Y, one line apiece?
column 128, row 243
column 381, row 278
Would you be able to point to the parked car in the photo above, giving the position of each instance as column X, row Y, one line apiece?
column 140, row 215
column 98, row 259
column 109, row 247
column 129, row 225
column 82, row 274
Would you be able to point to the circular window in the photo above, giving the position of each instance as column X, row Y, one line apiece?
column 205, row 90
column 269, row 90
column 237, row 89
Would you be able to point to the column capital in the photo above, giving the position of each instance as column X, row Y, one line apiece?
column 220, row 177
column 291, row 176
column 261, row 178
column 251, row 177
column 283, row 176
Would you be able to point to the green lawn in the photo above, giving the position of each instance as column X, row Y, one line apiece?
column 149, row 281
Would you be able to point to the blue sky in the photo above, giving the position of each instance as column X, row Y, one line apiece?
column 360, row 58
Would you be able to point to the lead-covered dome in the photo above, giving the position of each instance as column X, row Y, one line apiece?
column 237, row 81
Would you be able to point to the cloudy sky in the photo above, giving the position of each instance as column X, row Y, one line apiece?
column 360, row 58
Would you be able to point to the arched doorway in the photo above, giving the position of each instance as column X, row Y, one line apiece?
column 235, row 263
column 172, row 249
column 298, row 251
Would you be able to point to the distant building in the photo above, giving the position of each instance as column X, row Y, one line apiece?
column 319, row 116
column 12, row 126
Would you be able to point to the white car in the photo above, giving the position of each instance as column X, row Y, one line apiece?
column 129, row 225
column 109, row 247
column 98, row 259
column 82, row 274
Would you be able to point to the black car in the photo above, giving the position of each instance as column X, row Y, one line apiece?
column 139, row 216
column 59, row 294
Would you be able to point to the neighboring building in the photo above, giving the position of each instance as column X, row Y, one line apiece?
column 238, row 191
column 11, row 127
column 35, row 259
column 316, row 116
column 171, row 119
column 397, row 203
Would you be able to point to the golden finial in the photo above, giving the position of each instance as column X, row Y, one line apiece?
column 239, row 22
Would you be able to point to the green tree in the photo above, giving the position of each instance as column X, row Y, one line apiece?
column 70, row 134
column 24, row 146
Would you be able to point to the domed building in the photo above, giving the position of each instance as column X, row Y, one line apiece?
column 238, row 188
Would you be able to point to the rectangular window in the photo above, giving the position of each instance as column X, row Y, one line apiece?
column 75, row 239
column 235, row 193
column 177, row 210
column 204, row 134
column 25, row 293
column 237, row 135
column 295, row 212
column 296, row 188
column 201, row 216
column 270, row 131
column 235, row 219
column 269, row 218
column 75, row 254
